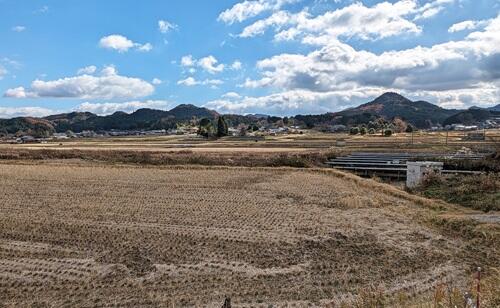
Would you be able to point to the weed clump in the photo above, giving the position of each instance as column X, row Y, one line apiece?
column 480, row 192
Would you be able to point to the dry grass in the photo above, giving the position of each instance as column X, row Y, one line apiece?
column 92, row 235
column 309, row 141
column 481, row 192
column 185, row 157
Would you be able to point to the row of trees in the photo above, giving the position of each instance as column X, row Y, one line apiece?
column 386, row 130
column 385, row 127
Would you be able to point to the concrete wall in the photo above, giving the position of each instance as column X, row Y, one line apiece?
column 416, row 171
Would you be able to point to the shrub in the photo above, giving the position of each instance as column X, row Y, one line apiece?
column 432, row 178
column 387, row 133
column 371, row 131
column 354, row 131
column 475, row 191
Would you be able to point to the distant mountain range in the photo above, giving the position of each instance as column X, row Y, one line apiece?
column 494, row 108
column 142, row 119
column 388, row 106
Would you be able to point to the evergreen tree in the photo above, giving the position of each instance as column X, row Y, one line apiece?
column 222, row 129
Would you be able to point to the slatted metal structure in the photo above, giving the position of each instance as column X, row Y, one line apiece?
column 391, row 165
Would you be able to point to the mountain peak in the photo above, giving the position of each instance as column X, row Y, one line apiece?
column 391, row 97
column 185, row 106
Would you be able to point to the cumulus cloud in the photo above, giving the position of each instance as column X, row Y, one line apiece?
column 107, row 86
column 122, row 44
column 293, row 102
column 483, row 95
column 250, row 8
column 445, row 73
column 379, row 21
column 18, row 28
column 165, row 26
column 13, row 112
column 443, row 66
column 190, row 81
column 187, row 61
column 18, row 92
column 88, row 70
column 468, row 25
column 110, row 108
column 210, row 64
column 156, row 81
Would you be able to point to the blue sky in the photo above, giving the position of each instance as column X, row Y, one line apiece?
column 280, row 57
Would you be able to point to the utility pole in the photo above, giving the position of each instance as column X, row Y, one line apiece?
column 478, row 286
column 446, row 137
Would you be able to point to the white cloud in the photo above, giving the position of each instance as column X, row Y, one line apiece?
column 431, row 9
column 109, row 70
column 444, row 66
column 231, row 95
column 88, row 70
column 210, row 65
column 145, row 48
column 483, row 95
column 293, row 102
column 369, row 23
column 107, row 86
column 18, row 92
column 248, row 9
column 165, row 26
column 443, row 73
column 13, row 112
column 110, row 108
column 116, row 42
column 18, row 28
column 187, row 61
column 190, row 81
column 122, row 44
column 156, row 81
column 3, row 72
column 468, row 25
column 237, row 65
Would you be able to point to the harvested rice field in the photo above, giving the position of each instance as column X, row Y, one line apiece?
column 92, row 235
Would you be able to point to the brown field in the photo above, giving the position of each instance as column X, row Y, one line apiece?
column 309, row 141
column 80, row 234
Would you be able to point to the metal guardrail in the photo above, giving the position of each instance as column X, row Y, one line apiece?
column 392, row 164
